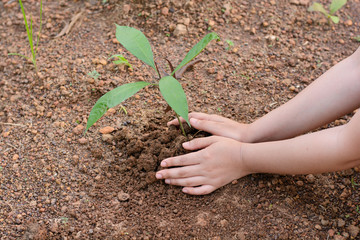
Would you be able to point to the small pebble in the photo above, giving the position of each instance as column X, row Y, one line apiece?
column 165, row 11
column 300, row 183
column 340, row 223
column 318, row 227
column 83, row 140
column 122, row 196
column 126, row 8
column 331, row 232
column 78, row 129
column 310, row 178
column 353, row 230
column 107, row 137
column 180, row 30
column 107, row 130
column 348, row 22
column 324, row 222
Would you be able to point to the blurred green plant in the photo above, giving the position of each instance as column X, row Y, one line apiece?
column 334, row 6
column 230, row 44
column 120, row 60
column 94, row 74
column 30, row 34
column 170, row 88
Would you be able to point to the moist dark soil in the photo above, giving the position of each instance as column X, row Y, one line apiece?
column 56, row 183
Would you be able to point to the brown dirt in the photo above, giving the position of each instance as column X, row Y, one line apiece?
column 56, row 183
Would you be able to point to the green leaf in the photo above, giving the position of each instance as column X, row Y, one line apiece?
column 317, row 7
column 122, row 60
column 196, row 50
column 136, row 43
column 335, row 19
column 357, row 38
column 18, row 54
column 174, row 95
column 336, row 5
column 111, row 99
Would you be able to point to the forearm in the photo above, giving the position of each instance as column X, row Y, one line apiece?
column 334, row 94
column 319, row 152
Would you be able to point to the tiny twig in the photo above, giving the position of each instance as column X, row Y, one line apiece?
column 13, row 124
column 68, row 26
column 178, row 74
column 197, row 133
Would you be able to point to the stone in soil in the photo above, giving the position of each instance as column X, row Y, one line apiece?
column 180, row 30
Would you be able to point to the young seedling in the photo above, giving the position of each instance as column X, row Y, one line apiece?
column 230, row 44
column 334, row 6
column 357, row 38
column 120, row 60
column 30, row 34
column 173, row 93
column 94, row 74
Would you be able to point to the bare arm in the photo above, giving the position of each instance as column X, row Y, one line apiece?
column 324, row 151
column 334, row 94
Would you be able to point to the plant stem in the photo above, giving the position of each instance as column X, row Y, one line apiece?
column 181, row 125
column 157, row 69
column 38, row 36
column 29, row 31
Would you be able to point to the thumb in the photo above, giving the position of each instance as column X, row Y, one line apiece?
column 216, row 128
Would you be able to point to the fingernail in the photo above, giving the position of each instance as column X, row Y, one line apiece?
column 193, row 120
column 167, row 181
column 158, row 176
column 185, row 190
column 185, row 144
column 163, row 164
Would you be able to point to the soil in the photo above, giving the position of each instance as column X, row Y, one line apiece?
column 56, row 183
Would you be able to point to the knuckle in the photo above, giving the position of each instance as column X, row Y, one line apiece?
column 173, row 181
column 164, row 174
column 207, row 190
column 207, row 155
column 181, row 173
column 188, row 182
column 170, row 162
column 192, row 143
column 180, row 161
column 176, row 162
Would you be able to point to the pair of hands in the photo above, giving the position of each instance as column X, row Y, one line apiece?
column 218, row 161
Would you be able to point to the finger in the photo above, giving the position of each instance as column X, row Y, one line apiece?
column 201, row 190
column 213, row 127
column 179, row 172
column 198, row 115
column 182, row 160
column 186, row 182
column 205, row 116
column 199, row 143
column 175, row 121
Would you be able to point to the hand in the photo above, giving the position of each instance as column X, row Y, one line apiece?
column 217, row 163
column 217, row 125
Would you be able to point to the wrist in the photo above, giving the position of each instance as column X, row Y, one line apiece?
column 244, row 159
column 251, row 134
column 243, row 134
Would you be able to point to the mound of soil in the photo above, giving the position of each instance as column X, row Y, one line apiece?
column 143, row 154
